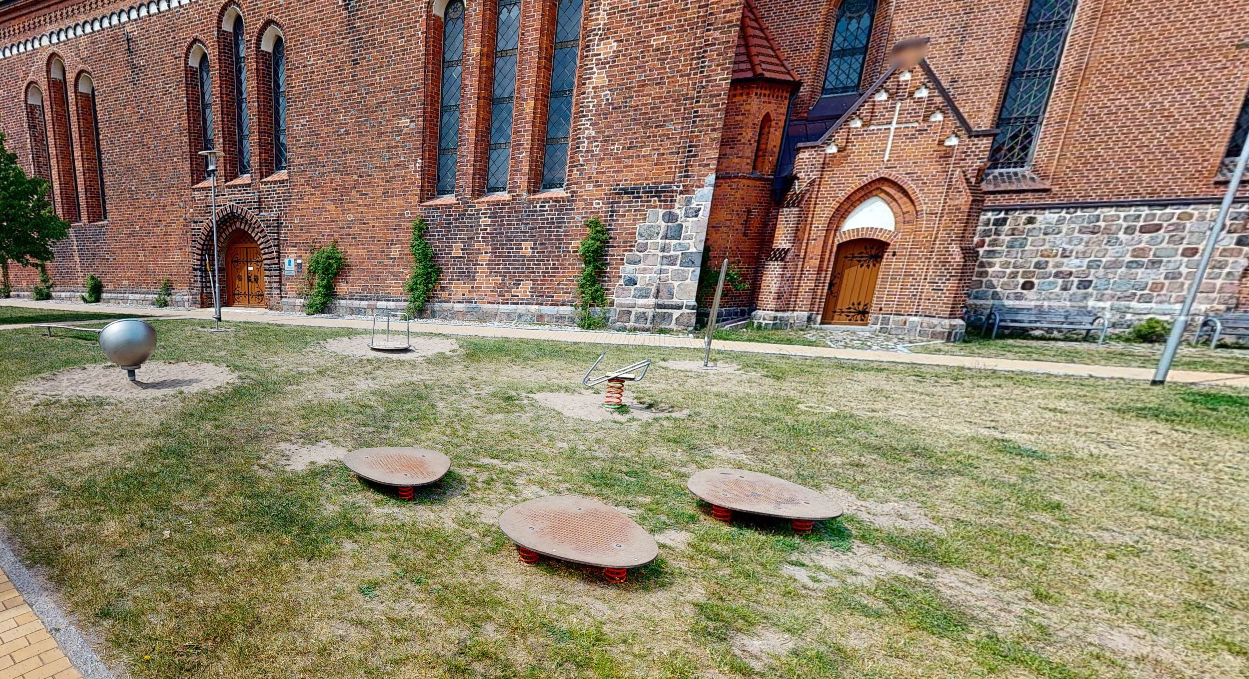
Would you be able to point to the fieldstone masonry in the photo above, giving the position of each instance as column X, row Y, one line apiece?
column 1127, row 262
column 659, row 279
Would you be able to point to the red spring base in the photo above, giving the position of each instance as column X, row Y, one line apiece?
column 616, row 575
column 527, row 555
column 802, row 527
column 615, row 394
column 407, row 493
column 721, row 514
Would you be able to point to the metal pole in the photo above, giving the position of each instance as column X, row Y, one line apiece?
column 210, row 169
column 715, row 310
column 1212, row 240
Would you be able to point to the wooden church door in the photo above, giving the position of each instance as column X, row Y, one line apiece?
column 853, row 284
column 245, row 273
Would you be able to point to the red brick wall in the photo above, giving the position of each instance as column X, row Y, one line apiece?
column 41, row 164
column 88, row 158
column 362, row 81
column 62, row 148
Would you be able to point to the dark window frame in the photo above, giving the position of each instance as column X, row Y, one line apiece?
column 242, row 126
column 564, row 62
column 450, row 96
column 848, row 47
column 1240, row 133
column 207, row 133
column 278, row 76
column 503, row 95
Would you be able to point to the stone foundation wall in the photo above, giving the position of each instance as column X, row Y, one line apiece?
column 177, row 299
column 659, row 280
column 451, row 311
column 919, row 327
column 1126, row 262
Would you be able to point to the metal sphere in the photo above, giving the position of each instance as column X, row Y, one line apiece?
column 128, row 342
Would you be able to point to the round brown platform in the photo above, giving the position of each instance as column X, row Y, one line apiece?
column 755, row 493
column 580, row 530
column 403, row 467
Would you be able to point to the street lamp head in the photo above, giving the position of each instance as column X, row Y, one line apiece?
column 211, row 156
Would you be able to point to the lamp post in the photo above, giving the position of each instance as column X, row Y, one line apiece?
column 210, row 157
column 1212, row 241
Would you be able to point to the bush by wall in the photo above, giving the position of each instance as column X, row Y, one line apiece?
column 95, row 290
column 323, row 268
column 1150, row 331
column 425, row 272
column 163, row 292
column 42, row 291
column 593, row 298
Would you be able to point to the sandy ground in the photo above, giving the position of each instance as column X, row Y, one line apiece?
column 358, row 346
column 588, row 405
column 716, row 367
column 155, row 379
column 903, row 515
column 298, row 458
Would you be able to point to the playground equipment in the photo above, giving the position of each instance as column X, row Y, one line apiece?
column 128, row 342
column 579, row 530
column 392, row 345
column 730, row 490
column 616, row 380
column 402, row 468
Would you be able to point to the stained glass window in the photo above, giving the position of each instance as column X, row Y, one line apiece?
column 563, row 81
column 279, row 104
column 1239, row 133
column 848, row 50
column 243, row 129
column 1031, row 81
column 206, row 103
column 506, row 40
column 449, row 108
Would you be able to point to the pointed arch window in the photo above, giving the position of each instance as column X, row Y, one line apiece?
column 762, row 143
column 279, row 104
column 449, row 101
column 1031, row 81
column 271, row 125
column 1240, row 133
column 241, row 124
column 199, row 111
column 37, row 127
column 63, row 142
column 847, row 52
column 89, row 150
column 506, row 41
column 563, row 82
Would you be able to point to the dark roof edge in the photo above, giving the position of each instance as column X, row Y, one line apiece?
column 884, row 77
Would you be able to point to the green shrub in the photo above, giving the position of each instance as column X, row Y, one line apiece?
column 95, row 290
column 593, row 298
column 425, row 272
column 323, row 268
column 709, row 277
column 162, row 293
column 43, row 291
column 1150, row 331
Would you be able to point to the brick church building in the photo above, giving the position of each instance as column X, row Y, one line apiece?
column 880, row 163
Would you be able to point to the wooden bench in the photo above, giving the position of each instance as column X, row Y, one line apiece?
column 1047, row 319
column 1225, row 325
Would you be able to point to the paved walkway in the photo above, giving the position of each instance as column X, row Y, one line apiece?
column 27, row 650
column 562, row 334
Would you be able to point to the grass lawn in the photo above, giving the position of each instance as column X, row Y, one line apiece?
column 749, row 333
column 1005, row 525
column 1111, row 353
column 12, row 315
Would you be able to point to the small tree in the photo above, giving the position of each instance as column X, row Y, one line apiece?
column 162, row 293
column 95, row 290
column 425, row 272
column 28, row 225
column 593, row 297
column 323, row 268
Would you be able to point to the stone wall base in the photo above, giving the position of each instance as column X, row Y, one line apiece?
column 450, row 311
column 919, row 327
column 653, row 314
column 783, row 320
column 177, row 300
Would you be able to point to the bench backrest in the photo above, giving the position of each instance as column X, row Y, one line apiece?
column 1045, row 315
column 1234, row 323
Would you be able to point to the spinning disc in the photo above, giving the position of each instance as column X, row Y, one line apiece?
column 756, row 493
column 398, row 466
column 580, row 530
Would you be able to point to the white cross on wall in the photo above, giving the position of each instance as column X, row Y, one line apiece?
column 892, row 127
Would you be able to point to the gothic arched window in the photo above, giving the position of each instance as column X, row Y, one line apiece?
column 563, row 82
column 89, row 150
column 279, row 104
column 1031, row 80
column 241, row 124
column 1240, row 132
column 848, row 49
column 761, row 165
column 199, row 110
column 270, row 132
column 63, row 141
column 449, row 103
column 506, row 42
column 37, row 126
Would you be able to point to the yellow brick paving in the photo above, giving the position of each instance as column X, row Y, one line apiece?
column 27, row 651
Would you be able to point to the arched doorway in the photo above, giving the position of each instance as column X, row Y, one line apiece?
column 244, row 272
column 853, row 284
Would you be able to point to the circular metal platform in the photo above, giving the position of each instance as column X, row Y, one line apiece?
column 580, row 530
column 755, row 493
column 398, row 466
column 391, row 348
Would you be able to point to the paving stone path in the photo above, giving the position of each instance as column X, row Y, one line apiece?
column 27, row 650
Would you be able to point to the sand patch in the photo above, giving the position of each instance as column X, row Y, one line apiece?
column 757, row 649
column 904, row 515
column 677, row 539
column 357, row 346
column 155, row 379
column 298, row 458
column 716, row 367
column 588, row 405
